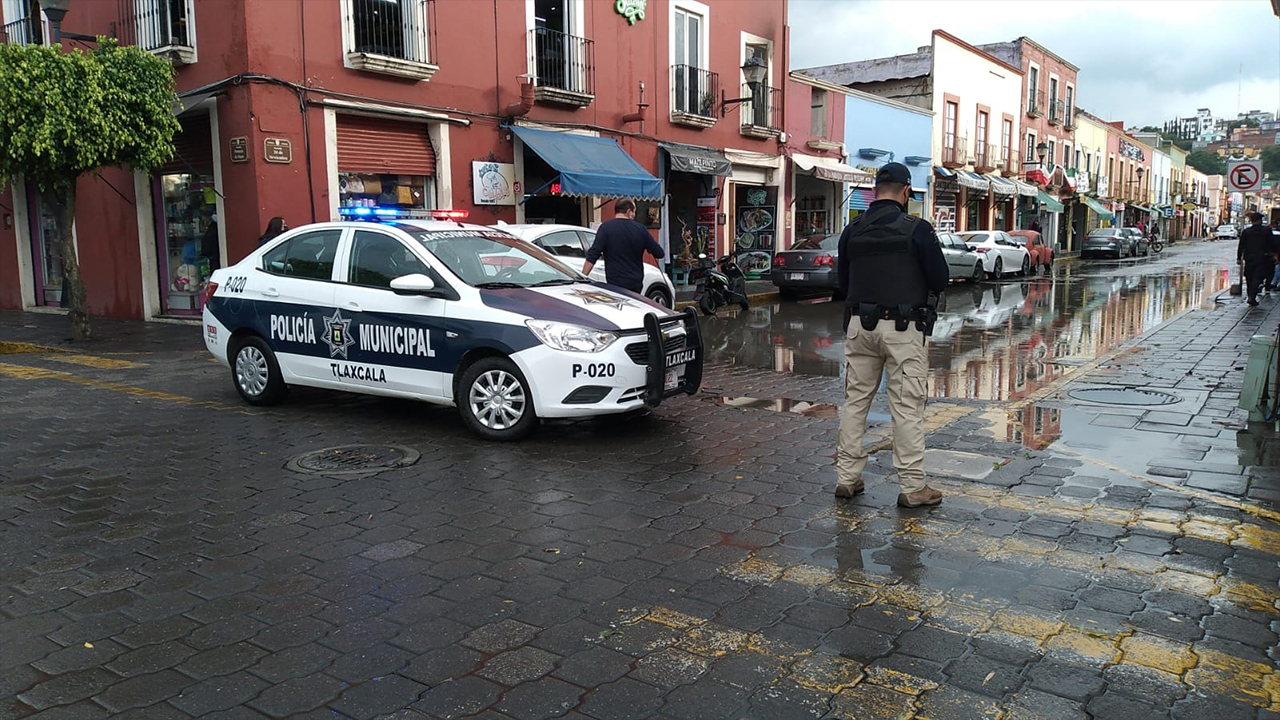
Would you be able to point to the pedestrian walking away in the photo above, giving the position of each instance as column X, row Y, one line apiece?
column 1254, row 253
column 275, row 226
column 622, row 242
column 891, row 271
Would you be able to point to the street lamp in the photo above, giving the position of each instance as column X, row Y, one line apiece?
column 1041, row 150
column 56, row 10
column 754, row 71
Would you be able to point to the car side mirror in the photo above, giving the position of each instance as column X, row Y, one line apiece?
column 415, row 284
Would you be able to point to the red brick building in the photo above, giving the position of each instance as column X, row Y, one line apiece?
column 301, row 109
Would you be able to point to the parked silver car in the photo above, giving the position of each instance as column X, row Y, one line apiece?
column 962, row 262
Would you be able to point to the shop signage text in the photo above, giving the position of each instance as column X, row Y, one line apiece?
column 239, row 147
column 632, row 10
column 1131, row 151
column 493, row 183
column 277, row 150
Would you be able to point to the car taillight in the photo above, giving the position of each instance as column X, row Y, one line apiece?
column 779, row 260
column 209, row 289
column 981, row 249
column 824, row 260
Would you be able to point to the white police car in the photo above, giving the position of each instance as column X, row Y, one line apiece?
column 448, row 313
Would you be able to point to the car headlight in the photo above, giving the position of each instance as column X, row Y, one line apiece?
column 574, row 338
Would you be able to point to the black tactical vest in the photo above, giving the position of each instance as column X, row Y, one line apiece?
column 884, row 267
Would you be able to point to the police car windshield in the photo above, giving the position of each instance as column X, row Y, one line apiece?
column 494, row 259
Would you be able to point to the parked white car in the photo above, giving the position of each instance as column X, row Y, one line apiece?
column 1226, row 232
column 1001, row 254
column 570, row 243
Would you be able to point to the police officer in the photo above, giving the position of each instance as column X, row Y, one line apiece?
column 891, row 270
column 1254, row 253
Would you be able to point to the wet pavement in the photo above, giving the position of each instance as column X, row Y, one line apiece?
column 1092, row 559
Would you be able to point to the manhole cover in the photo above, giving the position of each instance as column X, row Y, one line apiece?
column 1124, row 396
column 354, row 459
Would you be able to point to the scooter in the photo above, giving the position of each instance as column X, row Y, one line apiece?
column 1156, row 244
column 717, row 287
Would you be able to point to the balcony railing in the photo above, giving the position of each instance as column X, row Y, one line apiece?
column 156, row 25
column 694, row 91
column 563, row 66
column 1035, row 103
column 955, row 150
column 1070, row 122
column 1009, row 162
column 985, row 156
column 1057, row 109
column 763, row 112
column 26, row 31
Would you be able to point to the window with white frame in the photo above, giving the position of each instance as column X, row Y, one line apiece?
column 1031, row 146
column 160, row 25
column 388, row 35
column 21, row 25
column 1033, row 88
column 1051, row 157
column 1070, row 105
column 762, row 110
column 692, row 85
column 818, row 113
column 1006, row 144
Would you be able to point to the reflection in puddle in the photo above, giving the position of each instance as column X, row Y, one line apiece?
column 992, row 341
column 825, row 411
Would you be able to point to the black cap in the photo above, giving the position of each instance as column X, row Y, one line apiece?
column 893, row 172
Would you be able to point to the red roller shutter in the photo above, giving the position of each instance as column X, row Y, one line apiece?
column 192, row 148
column 377, row 145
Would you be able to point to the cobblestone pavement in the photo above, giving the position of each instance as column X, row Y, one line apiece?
column 160, row 561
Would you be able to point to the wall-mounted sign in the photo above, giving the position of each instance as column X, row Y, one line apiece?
column 632, row 10
column 493, row 183
column 239, row 147
column 1131, row 151
column 277, row 150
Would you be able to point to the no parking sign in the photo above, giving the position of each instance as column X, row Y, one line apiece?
column 1245, row 176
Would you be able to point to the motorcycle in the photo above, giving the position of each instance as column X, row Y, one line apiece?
column 719, row 283
column 1156, row 244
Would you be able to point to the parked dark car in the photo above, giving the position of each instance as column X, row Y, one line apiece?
column 1139, row 243
column 1105, row 242
column 810, row 264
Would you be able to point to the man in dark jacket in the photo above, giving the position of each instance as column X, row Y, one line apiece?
column 1254, row 252
column 622, row 241
column 890, row 265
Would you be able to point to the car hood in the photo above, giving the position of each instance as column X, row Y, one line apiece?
column 595, row 305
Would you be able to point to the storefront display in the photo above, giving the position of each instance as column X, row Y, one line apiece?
column 384, row 162
column 405, row 192
column 189, row 251
column 755, row 228
column 46, row 254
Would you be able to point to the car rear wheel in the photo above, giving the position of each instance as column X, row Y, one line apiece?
column 256, row 373
column 997, row 269
column 659, row 295
column 495, row 401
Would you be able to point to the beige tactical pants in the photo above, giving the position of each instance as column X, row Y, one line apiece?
column 867, row 353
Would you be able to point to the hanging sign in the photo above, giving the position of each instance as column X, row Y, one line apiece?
column 632, row 10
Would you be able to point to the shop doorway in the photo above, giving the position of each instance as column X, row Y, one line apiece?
column 46, row 254
column 187, row 243
column 755, row 228
column 546, row 205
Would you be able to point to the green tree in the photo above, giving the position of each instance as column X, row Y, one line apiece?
column 66, row 114
column 1207, row 162
column 1271, row 160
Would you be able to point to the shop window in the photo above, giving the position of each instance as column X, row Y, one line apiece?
column 406, row 192
column 377, row 259
column 811, row 216
column 564, row 243
column 309, row 255
column 189, row 250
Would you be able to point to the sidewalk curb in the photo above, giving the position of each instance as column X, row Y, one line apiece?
column 763, row 298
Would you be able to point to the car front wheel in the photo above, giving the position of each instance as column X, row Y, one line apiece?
column 659, row 295
column 494, row 399
column 1026, row 266
column 256, row 373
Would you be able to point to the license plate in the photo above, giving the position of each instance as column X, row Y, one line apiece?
column 795, row 276
column 672, row 381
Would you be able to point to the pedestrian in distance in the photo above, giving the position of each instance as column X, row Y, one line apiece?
column 275, row 226
column 891, row 270
column 1253, row 252
column 622, row 242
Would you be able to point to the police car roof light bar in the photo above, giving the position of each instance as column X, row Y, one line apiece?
column 384, row 213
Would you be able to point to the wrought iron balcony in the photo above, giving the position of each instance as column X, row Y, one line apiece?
column 694, row 93
column 985, row 156
column 955, row 151
column 392, row 36
column 24, row 31
column 1035, row 103
column 563, row 67
column 762, row 114
column 1057, row 109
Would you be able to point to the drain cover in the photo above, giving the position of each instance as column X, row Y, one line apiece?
column 1124, row 396
column 354, row 459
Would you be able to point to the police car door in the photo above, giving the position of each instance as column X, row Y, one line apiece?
column 293, row 302
column 396, row 341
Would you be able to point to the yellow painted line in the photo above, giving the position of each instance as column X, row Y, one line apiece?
column 24, row 372
column 94, row 361
column 10, row 347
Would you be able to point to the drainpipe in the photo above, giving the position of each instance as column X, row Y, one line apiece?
column 523, row 107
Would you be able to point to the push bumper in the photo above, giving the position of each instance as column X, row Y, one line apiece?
column 661, row 361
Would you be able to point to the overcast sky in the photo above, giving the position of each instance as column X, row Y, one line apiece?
column 1141, row 61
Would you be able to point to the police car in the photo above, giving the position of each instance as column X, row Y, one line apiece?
column 448, row 313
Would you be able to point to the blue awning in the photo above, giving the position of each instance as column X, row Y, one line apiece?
column 591, row 166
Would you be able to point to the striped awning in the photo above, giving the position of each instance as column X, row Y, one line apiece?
column 1002, row 187
column 861, row 198
column 1025, row 189
column 973, row 181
